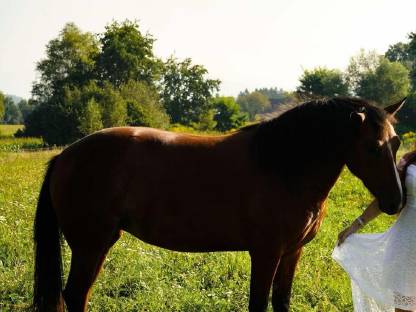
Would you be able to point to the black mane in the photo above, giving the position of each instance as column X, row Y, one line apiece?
column 307, row 134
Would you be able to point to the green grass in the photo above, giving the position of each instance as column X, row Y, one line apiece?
column 139, row 277
column 8, row 143
column 9, row 130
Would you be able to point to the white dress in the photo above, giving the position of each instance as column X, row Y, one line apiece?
column 382, row 267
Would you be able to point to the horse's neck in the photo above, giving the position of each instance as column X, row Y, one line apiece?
column 319, row 181
column 327, row 164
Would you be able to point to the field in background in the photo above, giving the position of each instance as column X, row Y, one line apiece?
column 8, row 143
column 9, row 130
column 139, row 277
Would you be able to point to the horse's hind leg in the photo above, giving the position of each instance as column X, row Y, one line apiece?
column 282, row 283
column 86, row 263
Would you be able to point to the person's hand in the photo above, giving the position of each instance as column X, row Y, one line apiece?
column 354, row 227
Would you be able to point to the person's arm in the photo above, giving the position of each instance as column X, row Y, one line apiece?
column 370, row 213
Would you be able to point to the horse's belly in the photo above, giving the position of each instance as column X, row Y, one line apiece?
column 190, row 243
column 186, row 245
column 195, row 234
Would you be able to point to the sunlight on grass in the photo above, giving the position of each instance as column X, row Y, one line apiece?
column 9, row 130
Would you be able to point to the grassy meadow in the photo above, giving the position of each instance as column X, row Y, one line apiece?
column 9, row 130
column 8, row 143
column 140, row 277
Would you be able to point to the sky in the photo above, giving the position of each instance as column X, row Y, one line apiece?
column 245, row 44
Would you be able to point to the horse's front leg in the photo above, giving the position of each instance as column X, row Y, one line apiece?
column 263, row 268
column 282, row 283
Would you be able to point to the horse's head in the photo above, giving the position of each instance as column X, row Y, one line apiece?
column 372, row 157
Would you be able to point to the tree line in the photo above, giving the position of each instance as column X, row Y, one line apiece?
column 383, row 79
column 92, row 81
column 13, row 113
column 88, row 82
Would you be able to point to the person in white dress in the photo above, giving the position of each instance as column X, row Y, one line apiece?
column 382, row 267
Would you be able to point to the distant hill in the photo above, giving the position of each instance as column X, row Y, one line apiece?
column 16, row 99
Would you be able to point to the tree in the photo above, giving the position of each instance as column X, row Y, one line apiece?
column 206, row 121
column 143, row 105
column 227, row 114
column 389, row 82
column 127, row 54
column 243, row 93
column 70, row 61
column 66, row 90
column 12, row 114
column 186, row 91
column 399, row 52
column 374, row 77
column 91, row 120
column 52, row 123
column 253, row 103
column 407, row 115
column 26, row 107
column 69, row 64
column 273, row 93
column 113, row 106
column 1, row 105
column 405, row 53
column 276, row 97
column 411, row 60
column 360, row 65
column 87, row 83
column 80, row 108
column 64, row 122
column 322, row 82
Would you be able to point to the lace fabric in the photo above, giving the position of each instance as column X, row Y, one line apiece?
column 382, row 267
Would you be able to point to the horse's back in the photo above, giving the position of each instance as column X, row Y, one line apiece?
column 110, row 157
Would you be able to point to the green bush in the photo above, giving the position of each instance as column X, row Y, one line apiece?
column 227, row 114
column 409, row 140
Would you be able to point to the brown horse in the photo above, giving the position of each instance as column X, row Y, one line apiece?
column 261, row 189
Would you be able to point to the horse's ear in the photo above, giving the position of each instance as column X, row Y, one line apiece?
column 393, row 109
column 357, row 118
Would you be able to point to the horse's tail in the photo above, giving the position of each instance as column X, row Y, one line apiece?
column 47, row 291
